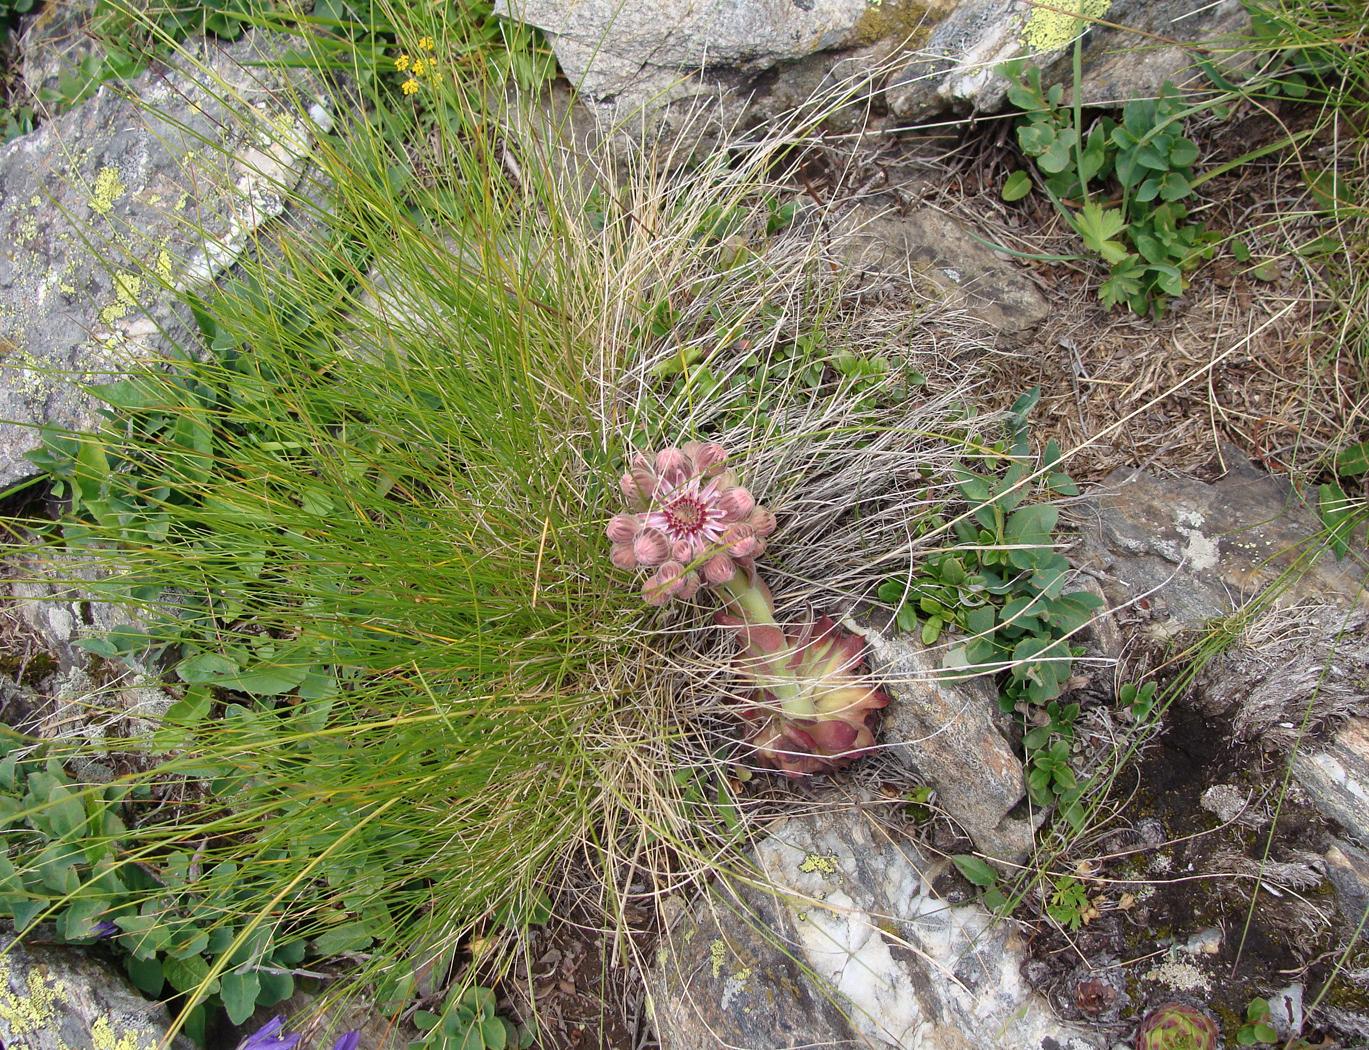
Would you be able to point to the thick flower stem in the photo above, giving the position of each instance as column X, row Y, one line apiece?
column 768, row 654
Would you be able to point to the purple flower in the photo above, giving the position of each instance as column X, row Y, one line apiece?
column 105, row 928
column 269, row 1037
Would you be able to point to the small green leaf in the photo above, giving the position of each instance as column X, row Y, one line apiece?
column 1353, row 460
column 1017, row 186
column 891, row 591
column 186, row 975
column 1183, row 153
column 275, row 987
column 495, row 1034
column 146, row 974
column 931, row 630
column 205, row 668
column 348, row 937
column 976, row 871
column 1099, row 226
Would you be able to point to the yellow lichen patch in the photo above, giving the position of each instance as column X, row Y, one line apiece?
column 162, row 268
column 103, row 1037
column 109, row 187
column 717, row 955
column 126, row 289
column 34, row 1012
column 901, row 21
column 822, row 863
column 743, row 975
column 1051, row 26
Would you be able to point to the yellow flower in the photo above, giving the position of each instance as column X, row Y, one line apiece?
column 425, row 43
column 419, row 67
column 409, row 87
column 402, row 63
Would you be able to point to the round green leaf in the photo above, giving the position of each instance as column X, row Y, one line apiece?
column 239, row 993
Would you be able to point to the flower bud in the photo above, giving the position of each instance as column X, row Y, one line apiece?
column 622, row 528
column 762, row 521
column 719, row 569
column 710, row 458
column 651, row 547
column 736, row 503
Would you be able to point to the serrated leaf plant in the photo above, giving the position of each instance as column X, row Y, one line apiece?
column 1142, row 161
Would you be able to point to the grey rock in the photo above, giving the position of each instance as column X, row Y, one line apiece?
column 686, row 71
column 930, row 247
column 1336, row 778
column 1347, row 866
column 608, row 48
column 1180, row 552
column 1292, row 675
column 956, row 67
column 849, row 945
column 111, row 210
column 58, row 998
column 946, row 731
column 1233, row 805
column 48, row 591
column 1285, row 1011
column 110, row 711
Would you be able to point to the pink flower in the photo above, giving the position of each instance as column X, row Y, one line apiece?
column 688, row 519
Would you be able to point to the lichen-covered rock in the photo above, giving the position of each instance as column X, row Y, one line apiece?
column 610, row 49
column 644, row 62
column 110, row 211
column 1336, row 777
column 61, row 998
column 54, row 41
column 1178, row 552
column 850, row 946
column 1143, row 44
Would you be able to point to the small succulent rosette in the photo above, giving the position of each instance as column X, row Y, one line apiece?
column 1177, row 1026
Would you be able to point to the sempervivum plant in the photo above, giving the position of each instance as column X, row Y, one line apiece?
column 1175, row 1026
column 811, row 704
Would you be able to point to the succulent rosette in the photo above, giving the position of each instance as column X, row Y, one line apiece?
column 688, row 519
column 1175, row 1026
column 809, row 701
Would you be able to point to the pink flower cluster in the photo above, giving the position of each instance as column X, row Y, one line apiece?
column 688, row 519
